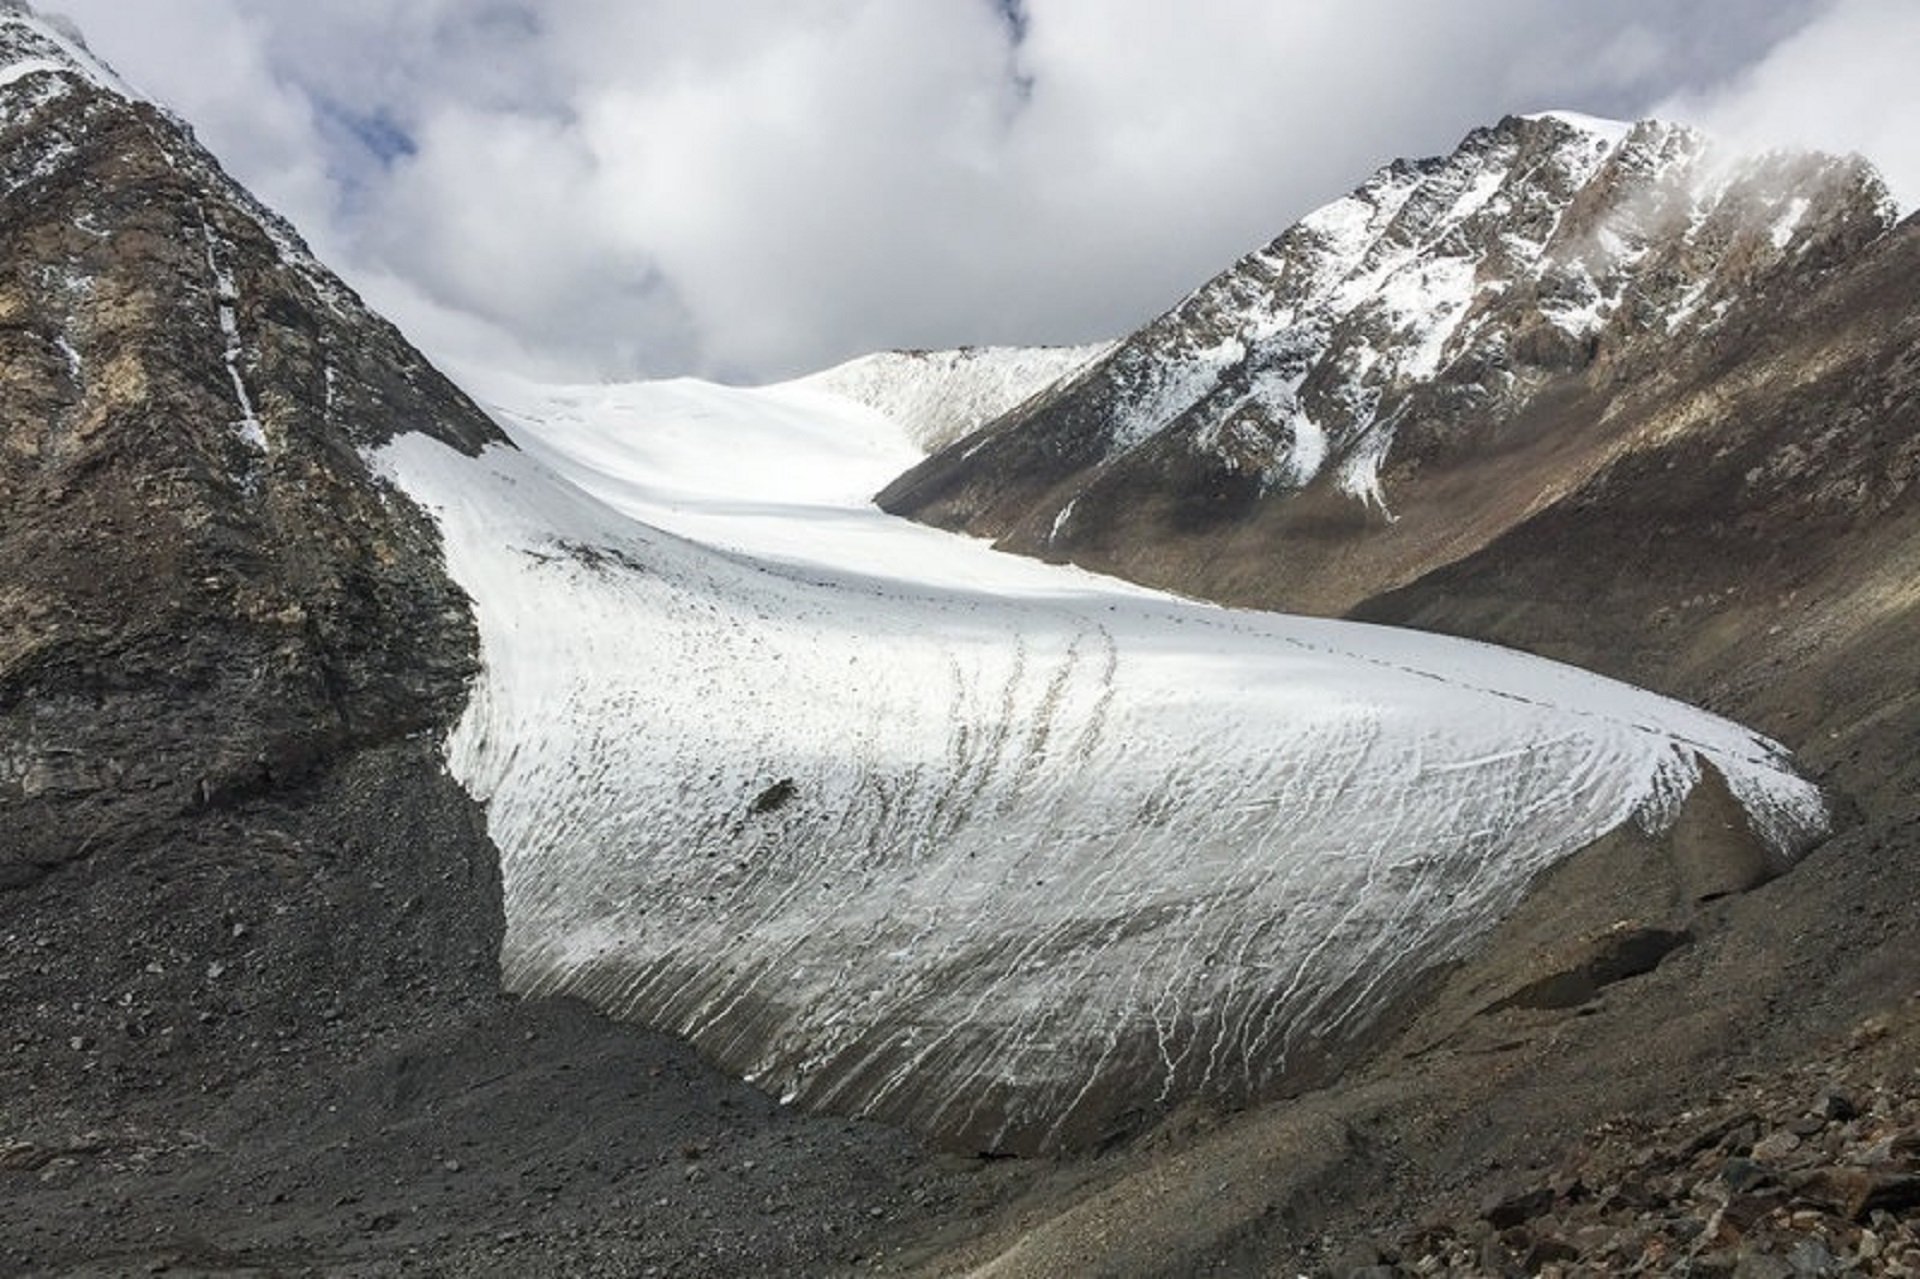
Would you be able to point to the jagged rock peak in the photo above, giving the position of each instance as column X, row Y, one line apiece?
column 1440, row 294
column 74, row 137
column 31, row 41
column 1538, row 243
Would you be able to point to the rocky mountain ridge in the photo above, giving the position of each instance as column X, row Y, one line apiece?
column 183, row 381
column 1297, row 405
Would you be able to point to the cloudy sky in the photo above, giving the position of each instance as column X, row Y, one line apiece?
column 750, row 188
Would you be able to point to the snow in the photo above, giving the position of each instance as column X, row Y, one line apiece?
column 942, row 396
column 1402, row 255
column 1308, row 455
column 1054, row 842
column 32, row 45
column 1359, row 471
column 1585, row 311
column 1789, row 221
column 1350, row 225
column 1426, row 304
column 1060, row 522
column 227, row 295
column 24, row 103
column 25, row 67
column 1378, row 293
column 1176, row 384
column 71, row 356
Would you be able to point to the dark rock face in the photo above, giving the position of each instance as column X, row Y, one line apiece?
column 227, row 651
column 1405, row 372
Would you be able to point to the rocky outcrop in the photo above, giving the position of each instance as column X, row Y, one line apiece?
column 225, row 651
column 1814, row 1171
column 1404, row 373
column 208, row 595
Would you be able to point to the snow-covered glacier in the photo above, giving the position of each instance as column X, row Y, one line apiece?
column 898, row 825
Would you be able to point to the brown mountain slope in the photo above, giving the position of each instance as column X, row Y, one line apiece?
column 1753, row 540
column 1404, row 374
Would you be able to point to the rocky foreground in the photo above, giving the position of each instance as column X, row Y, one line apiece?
column 1811, row 1171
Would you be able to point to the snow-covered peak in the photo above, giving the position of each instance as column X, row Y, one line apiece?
column 1431, row 303
column 1521, row 248
column 940, row 396
column 33, row 44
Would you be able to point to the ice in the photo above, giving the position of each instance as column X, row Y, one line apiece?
column 892, row 823
column 1359, row 472
column 1060, row 523
column 1308, row 455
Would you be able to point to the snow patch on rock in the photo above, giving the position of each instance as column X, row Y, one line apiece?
column 31, row 44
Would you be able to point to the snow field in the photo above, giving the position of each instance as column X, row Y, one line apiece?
column 895, row 824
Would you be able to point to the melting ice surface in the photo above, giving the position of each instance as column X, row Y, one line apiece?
column 896, row 824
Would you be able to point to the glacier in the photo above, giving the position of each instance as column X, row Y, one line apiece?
column 897, row 825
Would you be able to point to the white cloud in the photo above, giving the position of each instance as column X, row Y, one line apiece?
column 757, row 187
column 1846, row 82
